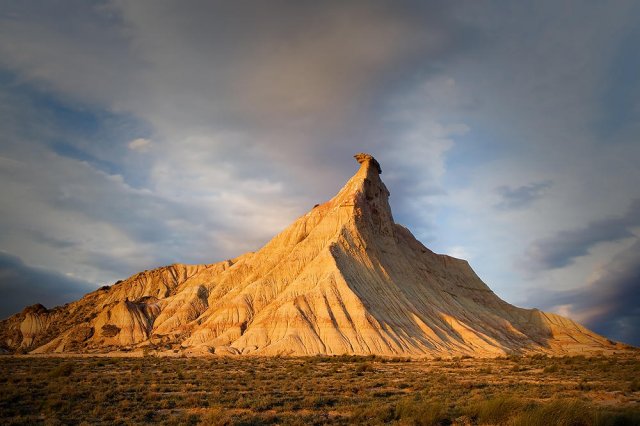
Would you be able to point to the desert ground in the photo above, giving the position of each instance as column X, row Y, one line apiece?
column 320, row 390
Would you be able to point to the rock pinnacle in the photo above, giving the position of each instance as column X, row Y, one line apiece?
column 363, row 157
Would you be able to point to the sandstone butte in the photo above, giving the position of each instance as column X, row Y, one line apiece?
column 342, row 279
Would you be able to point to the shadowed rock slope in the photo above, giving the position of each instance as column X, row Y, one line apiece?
column 342, row 279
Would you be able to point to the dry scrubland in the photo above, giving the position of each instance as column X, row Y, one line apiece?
column 319, row 390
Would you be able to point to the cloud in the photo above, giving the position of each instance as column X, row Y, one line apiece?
column 140, row 145
column 245, row 135
column 521, row 196
column 77, row 51
column 22, row 285
column 610, row 302
column 459, row 252
column 561, row 249
column 254, row 112
column 85, row 205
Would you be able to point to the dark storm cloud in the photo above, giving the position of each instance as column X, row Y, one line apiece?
column 522, row 196
column 22, row 285
column 561, row 249
column 610, row 304
column 56, row 243
column 619, row 99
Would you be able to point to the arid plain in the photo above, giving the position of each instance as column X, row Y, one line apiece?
column 320, row 390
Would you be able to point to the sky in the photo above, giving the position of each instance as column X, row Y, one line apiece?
column 139, row 134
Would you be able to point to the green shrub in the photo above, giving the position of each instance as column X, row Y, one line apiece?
column 319, row 401
column 572, row 412
column 373, row 414
column 364, row 367
column 421, row 412
column 539, row 356
column 496, row 410
column 559, row 413
column 584, row 385
column 619, row 417
column 63, row 370
column 215, row 417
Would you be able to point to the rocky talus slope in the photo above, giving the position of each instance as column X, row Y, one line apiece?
column 342, row 279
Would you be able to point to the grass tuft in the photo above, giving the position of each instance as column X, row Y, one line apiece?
column 62, row 370
column 496, row 410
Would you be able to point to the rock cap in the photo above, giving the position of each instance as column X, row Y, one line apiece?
column 363, row 157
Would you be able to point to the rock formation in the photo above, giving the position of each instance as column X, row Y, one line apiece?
column 342, row 279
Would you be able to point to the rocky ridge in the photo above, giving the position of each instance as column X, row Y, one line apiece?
column 342, row 279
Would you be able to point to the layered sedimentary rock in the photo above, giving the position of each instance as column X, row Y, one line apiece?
column 342, row 279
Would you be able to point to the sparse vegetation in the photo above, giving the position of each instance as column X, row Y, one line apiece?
column 62, row 370
column 320, row 390
column 420, row 410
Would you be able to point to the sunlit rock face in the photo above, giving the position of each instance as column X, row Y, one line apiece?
column 342, row 279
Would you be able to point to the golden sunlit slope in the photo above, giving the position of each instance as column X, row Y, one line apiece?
column 342, row 279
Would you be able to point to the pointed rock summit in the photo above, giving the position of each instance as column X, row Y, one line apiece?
column 342, row 279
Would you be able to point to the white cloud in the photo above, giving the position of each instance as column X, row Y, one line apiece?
column 140, row 145
column 459, row 252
